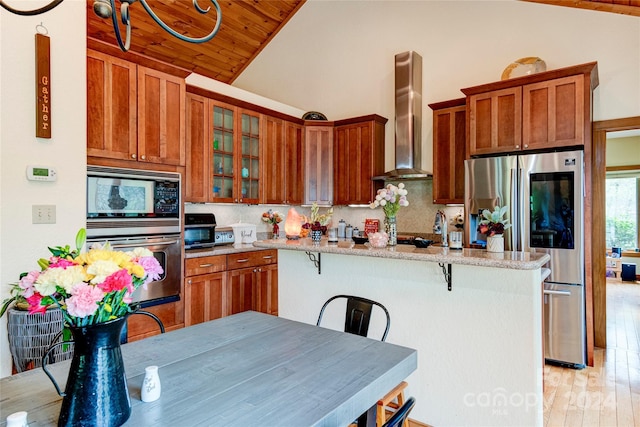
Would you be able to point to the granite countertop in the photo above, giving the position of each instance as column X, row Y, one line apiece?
column 479, row 257
column 221, row 250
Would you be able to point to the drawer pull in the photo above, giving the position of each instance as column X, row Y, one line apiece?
column 206, row 265
column 267, row 257
column 243, row 260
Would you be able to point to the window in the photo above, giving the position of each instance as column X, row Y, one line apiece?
column 622, row 216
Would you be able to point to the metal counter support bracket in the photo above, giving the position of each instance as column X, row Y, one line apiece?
column 447, row 274
column 314, row 260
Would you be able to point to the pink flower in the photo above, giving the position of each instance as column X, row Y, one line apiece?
column 34, row 304
column 152, row 267
column 60, row 262
column 84, row 300
column 117, row 281
column 26, row 283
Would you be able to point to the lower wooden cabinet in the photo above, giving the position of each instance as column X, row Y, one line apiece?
column 171, row 315
column 222, row 285
column 204, row 298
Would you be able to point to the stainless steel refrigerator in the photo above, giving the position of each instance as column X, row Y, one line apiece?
column 545, row 194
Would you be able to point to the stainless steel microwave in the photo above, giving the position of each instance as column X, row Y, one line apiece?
column 125, row 202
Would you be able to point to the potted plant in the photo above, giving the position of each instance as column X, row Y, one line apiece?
column 391, row 198
column 317, row 222
column 493, row 225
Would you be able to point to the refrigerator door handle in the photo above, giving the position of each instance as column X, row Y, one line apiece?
column 562, row 293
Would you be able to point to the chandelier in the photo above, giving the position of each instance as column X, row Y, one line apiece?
column 105, row 9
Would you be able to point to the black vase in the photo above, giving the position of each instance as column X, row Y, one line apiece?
column 96, row 393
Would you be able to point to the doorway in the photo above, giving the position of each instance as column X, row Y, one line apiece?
column 598, row 177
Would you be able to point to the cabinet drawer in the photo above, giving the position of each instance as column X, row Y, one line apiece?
column 252, row 259
column 205, row 265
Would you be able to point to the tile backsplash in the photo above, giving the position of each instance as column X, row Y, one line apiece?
column 418, row 217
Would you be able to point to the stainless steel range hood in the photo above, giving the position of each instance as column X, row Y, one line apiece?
column 408, row 143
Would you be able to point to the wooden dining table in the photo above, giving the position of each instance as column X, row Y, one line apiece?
column 249, row 369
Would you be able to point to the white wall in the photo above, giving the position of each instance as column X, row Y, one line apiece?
column 337, row 56
column 22, row 242
column 623, row 151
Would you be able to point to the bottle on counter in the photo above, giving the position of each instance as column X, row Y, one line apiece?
column 348, row 232
column 341, row 229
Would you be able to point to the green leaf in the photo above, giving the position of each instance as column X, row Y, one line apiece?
column 43, row 263
column 81, row 238
column 5, row 305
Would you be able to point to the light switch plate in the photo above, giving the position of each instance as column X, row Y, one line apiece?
column 43, row 214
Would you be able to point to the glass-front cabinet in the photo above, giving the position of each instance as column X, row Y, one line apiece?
column 222, row 166
column 249, row 158
column 236, row 155
column 223, row 152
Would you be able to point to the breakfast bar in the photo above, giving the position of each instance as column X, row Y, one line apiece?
column 480, row 353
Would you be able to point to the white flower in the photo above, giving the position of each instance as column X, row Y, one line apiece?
column 102, row 269
column 391, row 198
column 65, row 278
column 139, row 253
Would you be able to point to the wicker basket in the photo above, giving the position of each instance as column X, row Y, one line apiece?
column 30, row 335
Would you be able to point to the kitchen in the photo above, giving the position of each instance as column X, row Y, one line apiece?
column 445, row 74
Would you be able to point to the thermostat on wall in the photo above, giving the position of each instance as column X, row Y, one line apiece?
column 41, row 173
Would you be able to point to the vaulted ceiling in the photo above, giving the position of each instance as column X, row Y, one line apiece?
column 247, row 27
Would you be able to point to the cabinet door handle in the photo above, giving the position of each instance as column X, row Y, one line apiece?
column 526, row 145
column 242, row 260
column 133, row 156
column 206, row 265
column 143, row 157
column 517, row 146
column 189, row 281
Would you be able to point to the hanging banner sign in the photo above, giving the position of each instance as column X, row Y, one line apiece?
column 43, row 86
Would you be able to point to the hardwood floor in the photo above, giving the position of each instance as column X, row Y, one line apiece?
column 607, row 394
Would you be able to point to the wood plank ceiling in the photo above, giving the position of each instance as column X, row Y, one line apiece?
column 247, row 27
column 625, row 7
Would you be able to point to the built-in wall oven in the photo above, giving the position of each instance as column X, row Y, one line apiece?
column 132, row 208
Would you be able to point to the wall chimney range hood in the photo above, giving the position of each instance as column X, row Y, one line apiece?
column 408, row 120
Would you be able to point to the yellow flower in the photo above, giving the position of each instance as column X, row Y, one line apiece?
column 101, row 269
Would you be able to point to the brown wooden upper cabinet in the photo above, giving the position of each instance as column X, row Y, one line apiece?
column 134, row 112
column 318, row 163
column 540, row 111
column 449, row 150
column 282, row 159
column 358, row 154
column 223, row 152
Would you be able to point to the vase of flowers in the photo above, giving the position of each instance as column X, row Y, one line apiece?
column 273, row 218
column 317, row 221
column 93, row 290
column 391, row 198
column 493, row 225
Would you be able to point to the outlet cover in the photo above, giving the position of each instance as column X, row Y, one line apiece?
column 43, row 214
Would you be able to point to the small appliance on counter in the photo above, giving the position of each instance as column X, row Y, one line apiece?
column 224, row 236
column 199, row 230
